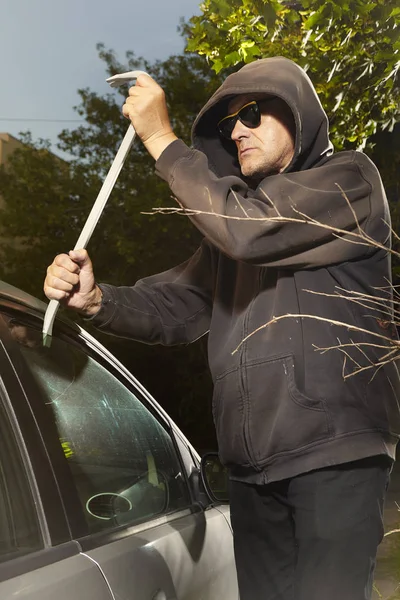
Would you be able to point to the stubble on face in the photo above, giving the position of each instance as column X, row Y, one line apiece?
column 269, row 148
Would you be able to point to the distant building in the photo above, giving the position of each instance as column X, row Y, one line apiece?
column 8, row 144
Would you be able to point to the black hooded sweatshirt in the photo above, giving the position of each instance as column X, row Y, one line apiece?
column 282, row 405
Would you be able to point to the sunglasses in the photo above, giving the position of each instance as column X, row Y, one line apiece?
column 249, row 115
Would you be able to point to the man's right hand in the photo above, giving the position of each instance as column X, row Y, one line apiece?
column 70, row 280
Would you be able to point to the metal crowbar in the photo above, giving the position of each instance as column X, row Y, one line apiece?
column 101, row 200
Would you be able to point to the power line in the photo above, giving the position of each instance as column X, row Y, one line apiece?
column 43, row 120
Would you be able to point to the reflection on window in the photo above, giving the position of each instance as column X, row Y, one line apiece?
column 19, row 528
column 123, row 461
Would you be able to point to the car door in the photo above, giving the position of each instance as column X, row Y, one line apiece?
column 38, row 559
column 123, row 473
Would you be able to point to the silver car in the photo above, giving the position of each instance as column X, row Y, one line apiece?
column 101, row 495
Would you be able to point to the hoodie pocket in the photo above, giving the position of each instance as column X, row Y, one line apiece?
column 259, row 413
column 280, row 417
column 229, row 418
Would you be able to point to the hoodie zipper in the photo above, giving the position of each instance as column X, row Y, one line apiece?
column 243, row 386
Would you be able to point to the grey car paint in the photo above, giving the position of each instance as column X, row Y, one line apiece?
column 184, row 556
column 197, row 549
column 74, row 578
column 187, row 558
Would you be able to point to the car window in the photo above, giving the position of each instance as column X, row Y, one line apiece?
column 123, row 461
column 19, row 527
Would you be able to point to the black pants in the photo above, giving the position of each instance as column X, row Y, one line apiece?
column 313, row 537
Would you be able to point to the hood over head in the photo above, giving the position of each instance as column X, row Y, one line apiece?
column 276, row 76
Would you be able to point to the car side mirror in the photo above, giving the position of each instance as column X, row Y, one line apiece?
column 215, row 477
column 199, row 492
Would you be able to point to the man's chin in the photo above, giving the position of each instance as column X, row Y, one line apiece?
column 248, row 170
column 257, row 172
column 253, row 173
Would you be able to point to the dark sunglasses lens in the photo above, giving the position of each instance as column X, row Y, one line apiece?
column 250, row 115
column 226, row 127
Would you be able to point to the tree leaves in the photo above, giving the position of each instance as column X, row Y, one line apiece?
column 47, row 201
column 349, row 47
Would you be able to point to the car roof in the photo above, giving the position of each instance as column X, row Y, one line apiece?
column 17, row 296
column 10, row 292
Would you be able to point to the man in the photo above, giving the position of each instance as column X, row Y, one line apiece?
column 309, row 448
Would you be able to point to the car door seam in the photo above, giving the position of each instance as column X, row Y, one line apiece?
column 102, row 572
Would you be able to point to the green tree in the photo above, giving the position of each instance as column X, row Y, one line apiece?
column 47, row 201
column 386, row 155
column 350, row 49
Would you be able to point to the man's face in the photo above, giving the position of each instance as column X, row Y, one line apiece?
column 268, row 148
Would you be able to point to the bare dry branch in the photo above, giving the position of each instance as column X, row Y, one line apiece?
column 389, row 226
column 386, row 304
column 381, row 308
column 360, row 231
column 365, row 355
column 360, row 238
column 238, row 201
column 272, row 203
column 391, row 532
column 317, row 318
column 210, row 200
column 385, row 359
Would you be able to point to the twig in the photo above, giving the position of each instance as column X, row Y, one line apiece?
column 385, row 306
column 238, row 201
column 389, row 312
column 324, row 319
column 210, row 200
column 362, row 238
column 272, row 203
column 360, row 231
column 391, row 532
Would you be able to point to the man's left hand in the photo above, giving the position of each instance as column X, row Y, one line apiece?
column 147, row 109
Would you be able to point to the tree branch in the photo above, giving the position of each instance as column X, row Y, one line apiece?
column 385, row 305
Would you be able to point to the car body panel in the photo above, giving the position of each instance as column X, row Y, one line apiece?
column 188, row 558
column 73, row 578
column 186, row 555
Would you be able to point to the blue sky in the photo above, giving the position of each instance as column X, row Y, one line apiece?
column 48, row 51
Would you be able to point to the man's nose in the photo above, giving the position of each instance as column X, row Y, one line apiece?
column 239, row 131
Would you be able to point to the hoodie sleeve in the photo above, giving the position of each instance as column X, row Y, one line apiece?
column 173, row 307
column 254, row 225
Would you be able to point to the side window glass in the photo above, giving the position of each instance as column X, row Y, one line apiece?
column 123, row 461
column 19, row 527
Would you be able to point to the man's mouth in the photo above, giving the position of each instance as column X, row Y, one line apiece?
column 245, row 151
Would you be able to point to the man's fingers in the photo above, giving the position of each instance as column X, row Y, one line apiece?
column 78, row 255
column 57, row 283
column 145, row 84
column 66, row 272
column 56, row 288
column 55, row 274
column 145, row 81
column 133, row 91
column 126, row 111
column 62, row 277
column 81, row 257
column 64, row 261
column 53, row 294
